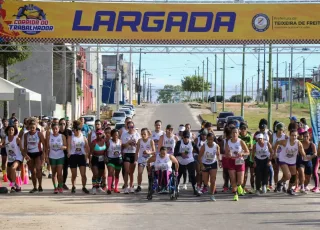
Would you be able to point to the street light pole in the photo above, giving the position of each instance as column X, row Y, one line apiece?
column 242, row 84
column 304, row 80
column 277, row 94
column 270, row 89
column 224, row 79
column 291, row 94
column 207, row 79
column 258, row 83
column 139, row 84
column 215, row 79
column 252, row 87
column 203, row 81
column 264, row 74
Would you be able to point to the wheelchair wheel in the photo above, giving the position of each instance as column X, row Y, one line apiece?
column 150, row 185
column 173, row 186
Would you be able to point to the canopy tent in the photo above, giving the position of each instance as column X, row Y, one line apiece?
column 7, row 91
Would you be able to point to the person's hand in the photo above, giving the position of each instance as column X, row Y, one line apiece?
column 27, row 158
column 220, row 164
column 176, row 173
column 69, row 154
column 269, row 162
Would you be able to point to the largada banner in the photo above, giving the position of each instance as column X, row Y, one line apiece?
column 314, row 100
column 140, row 23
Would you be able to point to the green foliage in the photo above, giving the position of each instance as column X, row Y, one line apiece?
column 300, row 105
column 194, row 84
column 168, row 92
column 237, row 98
column 219, row 98
column 10, row 58
column 79, row 91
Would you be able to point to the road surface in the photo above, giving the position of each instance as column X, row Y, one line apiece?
column 79, row 211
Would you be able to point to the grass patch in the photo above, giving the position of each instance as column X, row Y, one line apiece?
column 300, row 105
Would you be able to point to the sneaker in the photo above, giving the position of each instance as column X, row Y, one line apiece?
column 104, row 188
column 94, row 191
column 204, row 190
column 296, row 189
column 18, row 189
column 131, row 190
column 40, row 189
column 33, row 190
column 270, row 188
column 116, row 191
column 5, row 178
column 50, row 176
column 291, row 192
column 264, row 189
column 252, row 191
column 315, row 190
column 257, row 192
column 278, row 187
column 60, row 190
column 185, row 187
column 225, row 189
column 43, row 174
column 73, row 190
column 123, row 187
column 138, row 188
column 65, row 187
column 303, row 190
column 108, row 192
column 55, row 191
column 240, row 190
column 236, row 197
column 85, row 190
column 284, row 188
column 126, row 191
column 100, row 190
column 196, row 193
column 307, row 188
column 212, row 198
column 13, row 189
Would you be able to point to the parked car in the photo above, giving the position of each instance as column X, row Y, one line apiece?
column 118, row 117
column 229, row 119
column 119, row 125
column 128, row 112
column 221, row 119
column 131, row 108
column 90, row 119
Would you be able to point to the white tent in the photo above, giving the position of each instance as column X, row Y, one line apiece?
column 7, row 91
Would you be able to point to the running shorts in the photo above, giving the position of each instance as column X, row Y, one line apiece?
column 116, row 163
column 129, row 157
column 208, row 167
column 34, row 155
column 98, row 161
column 11, row 163
column 3, row 152
column 55, row 162
column 77, row 161
column 232, row 165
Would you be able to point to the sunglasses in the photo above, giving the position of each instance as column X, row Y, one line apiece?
column 131, row 127
column 62, row 124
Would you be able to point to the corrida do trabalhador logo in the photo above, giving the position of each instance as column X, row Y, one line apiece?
column 31, row 20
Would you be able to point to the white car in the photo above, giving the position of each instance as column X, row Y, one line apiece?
column 127, row 111
column 90, row 119
column 118, row 117
column 131, row 108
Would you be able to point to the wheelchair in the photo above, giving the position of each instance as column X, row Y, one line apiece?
column 153, row 185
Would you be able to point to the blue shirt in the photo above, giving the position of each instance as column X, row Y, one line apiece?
column 85, row 130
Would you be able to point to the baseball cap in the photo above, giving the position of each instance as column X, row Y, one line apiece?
column 182, row 128
column 310, row 130
column 243, row 125
column 186, row 134
column 260, row 135
column 99, row 131
column 45, row 118
column 294, row 118
column 262, row 126
column 67, row 118
column 301, row 131
column 204, row 132
column 169, row 127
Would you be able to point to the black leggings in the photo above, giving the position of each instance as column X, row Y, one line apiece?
column 261, row 171
column 191, row 171
column 65, row 168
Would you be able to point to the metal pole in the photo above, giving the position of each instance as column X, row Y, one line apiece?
column 207, row 79
column 150, row 93
column 203, row 81
column 98, row 85
column 258, row 83
column 215, row 80
column 118, row 79
column 224, row 78
column 270, row 89
column 74, row 84
column 246, row 87
column 291, row 94
column 148, row 90
column 242, row 82
column 264, row 75
column 304, row 80
column 252, row 87
column 277, row 94
column 130, row 77
column 139, row 83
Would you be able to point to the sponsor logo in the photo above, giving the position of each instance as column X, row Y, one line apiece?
column 260, row 22
column 31, row 20
column 315, row 94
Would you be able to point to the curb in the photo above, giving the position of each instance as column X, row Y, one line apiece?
column 200, row 118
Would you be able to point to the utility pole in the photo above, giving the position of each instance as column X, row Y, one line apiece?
column 304, row 80
column 246, row 87
column 130, row 77
column 150, row 93
column 252, row 87
column 264, row 74
column 298, row 76
column 258, row 84
column 277, row 94
column 236, row 93
column 270, row 90
column 203, row 81
column 144, row 87
column 242, row 82
column 118, row 79
column 215, row 81
column 291, row 70
column 74, row 84
column 139, row 83
column 98, row 85
column 224, row 78
column 208, row 79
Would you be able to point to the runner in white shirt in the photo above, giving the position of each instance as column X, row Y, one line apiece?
column 129, row 144
column 145, row 149
column 157, row 133
column 168, row 140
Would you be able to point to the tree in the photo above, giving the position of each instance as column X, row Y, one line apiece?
column 194, row 84
column 219, row 98
column 19, row 53
column 166, row 94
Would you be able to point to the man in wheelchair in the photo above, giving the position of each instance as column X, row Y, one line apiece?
column 162, row 170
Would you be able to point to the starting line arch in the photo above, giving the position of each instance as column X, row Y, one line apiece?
column 159, row 23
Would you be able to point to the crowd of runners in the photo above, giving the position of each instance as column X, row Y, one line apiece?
column 194, row 156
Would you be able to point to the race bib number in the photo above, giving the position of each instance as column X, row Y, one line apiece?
column 116, row 153
column 163, row 166
column 245, row 157
column 11, row 157
column 169, row 150
column 101, row 158
column 78, row 151
column 239, row 161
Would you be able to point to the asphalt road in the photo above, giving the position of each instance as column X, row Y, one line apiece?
column 133, row 211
